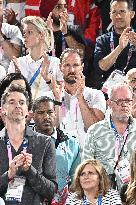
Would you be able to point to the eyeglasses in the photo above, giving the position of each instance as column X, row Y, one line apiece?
column 88, row 174
column 121, row 101
column 121, row 12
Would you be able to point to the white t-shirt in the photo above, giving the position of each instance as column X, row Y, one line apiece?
column 71, row 121
column 28, row 67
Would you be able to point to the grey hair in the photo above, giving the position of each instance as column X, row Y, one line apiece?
column 117, row 86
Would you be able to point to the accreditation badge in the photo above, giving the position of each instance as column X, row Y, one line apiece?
column 123, row 170
column 15, row 189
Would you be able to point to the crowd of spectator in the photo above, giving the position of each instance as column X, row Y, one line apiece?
column 68, row 109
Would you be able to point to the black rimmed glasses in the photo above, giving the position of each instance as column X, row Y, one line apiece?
column 120, row 102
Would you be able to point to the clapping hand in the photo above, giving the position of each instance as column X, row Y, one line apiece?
column 16, row 64
column 57, row 89
column 45, row 68
column 15, row 164
column 63, row 22
column 28, row 160
column 80, row 84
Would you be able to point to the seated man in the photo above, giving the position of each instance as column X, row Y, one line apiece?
column 116, row 49
column 81, row 106
column 67, row 149
column 27, row 167
column 10, row 41
column 112, row 140
column 57, row 17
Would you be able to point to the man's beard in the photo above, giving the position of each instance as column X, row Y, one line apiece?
column 16, row 119
column 69, row 81
column 123, row 119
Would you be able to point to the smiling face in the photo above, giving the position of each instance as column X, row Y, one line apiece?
column 32, row 37
column 71, row 67
column 89, row 178
column 120, row 15
column 15, row 108
column 44, row 117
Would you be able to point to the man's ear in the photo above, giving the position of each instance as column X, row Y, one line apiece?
column 60, row 66
column 82, row 66
column 132, row 14
column 110, row 15
column 42, row 36
column 2, row 111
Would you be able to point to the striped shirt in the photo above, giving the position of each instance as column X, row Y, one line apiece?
column 100, row 144
column 111, row 198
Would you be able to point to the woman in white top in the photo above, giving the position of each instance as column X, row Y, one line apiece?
column 91, row 186
column 37, row 66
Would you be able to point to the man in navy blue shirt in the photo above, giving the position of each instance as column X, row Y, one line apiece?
column 116, row 49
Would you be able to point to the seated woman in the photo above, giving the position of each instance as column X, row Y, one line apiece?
column 91, row 185
column 128, row 192
column 37, row 67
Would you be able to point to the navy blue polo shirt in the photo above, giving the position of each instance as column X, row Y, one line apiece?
column 102, row 49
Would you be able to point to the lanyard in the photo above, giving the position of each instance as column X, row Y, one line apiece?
column 24, row 146
column 64, row 110
column 37, row 87
column 37, row 72
column 129, row 52
column 86, row 202
column 117, row 141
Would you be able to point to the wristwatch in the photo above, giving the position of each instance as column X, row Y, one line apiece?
column 48, row 82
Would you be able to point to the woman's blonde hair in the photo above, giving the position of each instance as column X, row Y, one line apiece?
column 41, row 26
column 104, row 182
column 131, row 190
